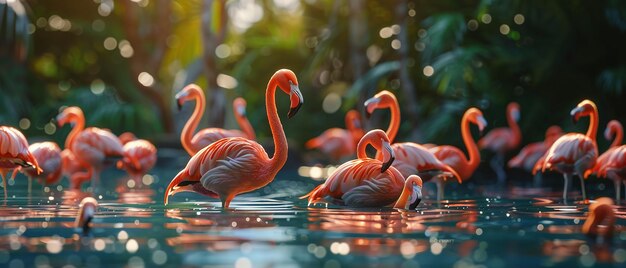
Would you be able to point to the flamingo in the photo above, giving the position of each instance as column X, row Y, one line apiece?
column 86, row 210
column 614, row 131
column 614, row 167
column 453, row 156
column 575, row 153
column 91, row 146
column 139, row 156
column 231, row 166
column 502, row 140
column 193, row 143
column 600, row 214
column 337, row 142
column 412, row 182
column 14, row 154
column 411, row 158
column 365, row 182
column 533, row 152
column 48, row 155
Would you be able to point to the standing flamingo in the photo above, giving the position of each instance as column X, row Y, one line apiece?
column 237, row 165
column 337, row 142
column 365, row 182
column 193, row 143
column 48, row 155
column 600, row 214
column 14, row 154
column 614, row 131
column 453, row 156
column 411, row 158
column 139, row 155
column 614, row 167
column 575, row 153
column 533, row 152
column 502, row 140
column 91, row 146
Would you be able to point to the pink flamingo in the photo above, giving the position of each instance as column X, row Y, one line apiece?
column 337, row 142
column 533, row 152
column 453, row 156
column 86, row 210
column 91, row 146
column 610, row 161
column 237, row 165
column 139, row 155
column 412, row 183
column 48, row 155
column 193, row 143
column 365, row 182
column 503, row 139
column 575, row 153
column 600, row 214
column 14, row 154
column 411, row 158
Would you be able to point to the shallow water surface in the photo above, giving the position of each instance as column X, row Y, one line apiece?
column 272, row 227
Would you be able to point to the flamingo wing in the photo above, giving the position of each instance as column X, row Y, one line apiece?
column 376, row 192
column 335, row 142
column 14, row 149
column 207, row 136
column 497, row 140
column 528, row 156
column 572, row 151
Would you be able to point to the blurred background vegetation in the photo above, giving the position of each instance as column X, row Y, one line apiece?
column 123, row 61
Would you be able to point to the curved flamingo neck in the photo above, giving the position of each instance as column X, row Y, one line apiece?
column 517, row 133
column 278, row 134
column 245, row 126
column 394, row 125
column 618, row 131
column 79, row 125
column 193, row 121
column 593, row 123
column 470, row 144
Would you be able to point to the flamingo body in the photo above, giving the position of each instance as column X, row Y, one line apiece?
column 14, row 153
column 412, row 158
column 48, row 155
column 139, row 157
column 338, row 142
column 532, row 153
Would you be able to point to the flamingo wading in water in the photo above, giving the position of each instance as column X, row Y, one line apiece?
column 575, row 153
column 533, row 152
column 92, row 145
column 366, row 182
column 411, row 158
column 194, row 143
column 231, row 166
column 612, row 163
column 453, row 156
column 337, row 142
column 139, row 155
column 503, row 139
column 14, row 154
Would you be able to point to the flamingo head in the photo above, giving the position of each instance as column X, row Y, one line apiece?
column 513, row 111
column 584, row 108
column 70, row 115
column 183, row 183
column 475, row 116
column 86, row 211
column 288, row 83
column 189, row 92
column 381, row 100
column 601, row 214
column 412, row 189
column 379, row 140
column 239, row 107
column 612, row 128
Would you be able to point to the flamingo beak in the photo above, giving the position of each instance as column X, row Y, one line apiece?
column 482, row 123
column 516, row 115
column 388, row 155
column 416, row 189
column 296, row 100
column 575, row 113
column 177, row 185
column 607, row 134
column 179, row 104
column 370, row 106
column 241, row 111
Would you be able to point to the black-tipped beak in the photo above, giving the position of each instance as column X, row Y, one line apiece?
column 414, row 205
column 387, row 164
column 179, row 105
column 574, row 119
column 368, row 115
column 294, row 110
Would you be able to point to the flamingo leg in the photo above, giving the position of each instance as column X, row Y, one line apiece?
column 582, row 187
column 440, row 189
column 618, row 189
column 3, row 174
column 226, row 201
column 497, row 163
column 95, row 178
column 566, row 185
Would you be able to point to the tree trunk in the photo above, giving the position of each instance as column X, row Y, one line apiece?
column 406, row 84
column 213, row 34
column 358, row 43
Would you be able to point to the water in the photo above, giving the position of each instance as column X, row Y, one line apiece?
column 481, row 224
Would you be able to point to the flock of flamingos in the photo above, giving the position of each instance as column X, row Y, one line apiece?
column 225, row 163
